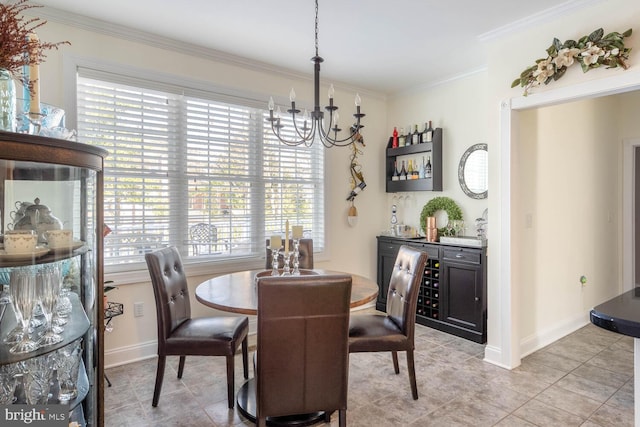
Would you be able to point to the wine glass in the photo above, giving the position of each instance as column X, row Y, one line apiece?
column 37, row 379
column 23, row 295
column 47, row 289
column 7, row 383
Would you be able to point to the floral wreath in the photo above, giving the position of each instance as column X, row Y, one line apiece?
column 590, row 51
column 440, row 204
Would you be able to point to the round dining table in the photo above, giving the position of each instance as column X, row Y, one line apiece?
column 238, row 293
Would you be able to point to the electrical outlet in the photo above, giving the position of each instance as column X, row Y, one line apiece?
column 138, row 309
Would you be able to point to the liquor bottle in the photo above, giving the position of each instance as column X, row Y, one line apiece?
column 396, row 174
column 402, row 138
column 421, row 174
column 410, row 171
column 403, row 173
column 394, row 144
column 427, row 168
column 429, row 132
column 416, row 168
column 423, row 135
column 415, row 136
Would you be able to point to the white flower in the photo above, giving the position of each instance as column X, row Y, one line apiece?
column 544, row 71
column 615, row 51
column 565, row 57
column 591, row 54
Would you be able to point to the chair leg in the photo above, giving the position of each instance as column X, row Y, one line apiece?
column 245, row 357
column 159, row 378
column 327, row 416
column 230, row 380
column 412, row 374
column 342, row 418
column 181, row 366
column 396, row 367
column 261, row 422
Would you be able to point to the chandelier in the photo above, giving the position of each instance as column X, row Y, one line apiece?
column 310, row 126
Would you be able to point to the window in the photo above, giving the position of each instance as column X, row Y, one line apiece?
column 196, row 170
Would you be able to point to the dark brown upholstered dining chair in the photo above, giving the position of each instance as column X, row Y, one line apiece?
column 305, row 255
column 181, row 335
column 394, row 331
column 302, row 361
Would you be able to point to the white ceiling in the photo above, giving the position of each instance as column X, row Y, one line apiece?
column 383, row 45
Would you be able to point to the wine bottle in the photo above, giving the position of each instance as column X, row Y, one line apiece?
column 394, row 144
column 427, row 168
column 423, row 135
column 356, row 190
column 410, row 170
column 415, row 136
column 429, row 132
column 402, row 138
column 396, row 174
column 403, row 173
column 421, row 174
column 416, row 173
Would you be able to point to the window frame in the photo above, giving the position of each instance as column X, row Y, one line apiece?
column 127, row 75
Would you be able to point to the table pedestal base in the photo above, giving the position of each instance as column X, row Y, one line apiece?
column 246, row 401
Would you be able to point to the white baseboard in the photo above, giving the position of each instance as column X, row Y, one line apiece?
column 537, row 341
column 148, row 350
column 129, row 354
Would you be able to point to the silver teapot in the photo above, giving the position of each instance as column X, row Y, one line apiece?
column 37, row 217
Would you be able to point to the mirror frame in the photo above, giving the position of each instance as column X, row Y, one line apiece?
column 461, row 166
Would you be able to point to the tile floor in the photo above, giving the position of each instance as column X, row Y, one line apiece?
column 584, row 379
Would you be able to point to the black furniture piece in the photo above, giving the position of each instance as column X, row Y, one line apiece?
column 302, row 359
column 453, row 294
column 394, row 331
column 305, row 257
column 181, row 335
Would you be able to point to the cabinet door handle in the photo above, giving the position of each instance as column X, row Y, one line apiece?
column 459, row 255
column 477, row 299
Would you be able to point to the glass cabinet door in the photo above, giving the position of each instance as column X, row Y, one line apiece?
column 51, row 277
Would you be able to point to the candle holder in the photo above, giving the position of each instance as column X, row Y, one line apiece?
column 274, row 262
column 35, row 123
column 296, row 257
column 286, row 271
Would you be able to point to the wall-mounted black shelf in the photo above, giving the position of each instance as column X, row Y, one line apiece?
column 434, row 148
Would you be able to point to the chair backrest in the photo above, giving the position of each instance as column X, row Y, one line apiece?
column 302, row 344
column 305, row 255
column 170, row 290
column 404, row 286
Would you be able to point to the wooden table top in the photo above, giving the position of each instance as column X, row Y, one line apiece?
column 237, row 292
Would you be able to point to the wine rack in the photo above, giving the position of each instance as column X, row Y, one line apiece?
column 434, row 149
column 429, row 297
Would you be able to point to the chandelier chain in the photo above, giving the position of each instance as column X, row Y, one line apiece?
column 316, row 27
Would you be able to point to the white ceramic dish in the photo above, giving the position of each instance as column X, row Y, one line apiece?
column 36, row 253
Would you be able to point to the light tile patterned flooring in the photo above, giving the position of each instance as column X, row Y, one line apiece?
column 583, row 379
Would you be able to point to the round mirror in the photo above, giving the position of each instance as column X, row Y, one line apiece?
column 473, row 171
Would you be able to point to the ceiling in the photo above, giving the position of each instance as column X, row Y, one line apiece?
column 386, row 46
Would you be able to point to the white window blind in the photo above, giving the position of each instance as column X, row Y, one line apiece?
column 203, row 174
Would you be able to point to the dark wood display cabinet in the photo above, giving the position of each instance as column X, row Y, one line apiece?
column 416, row 152
column 453, row 294
column 46, row 184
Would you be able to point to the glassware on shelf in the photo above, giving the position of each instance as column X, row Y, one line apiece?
column 23, row 295
column 8, row 383
column 37, row 377
column 48, row 281
column 68, row 364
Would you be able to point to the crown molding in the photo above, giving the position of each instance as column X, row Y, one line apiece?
column 537, row 18
column 166, row 43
